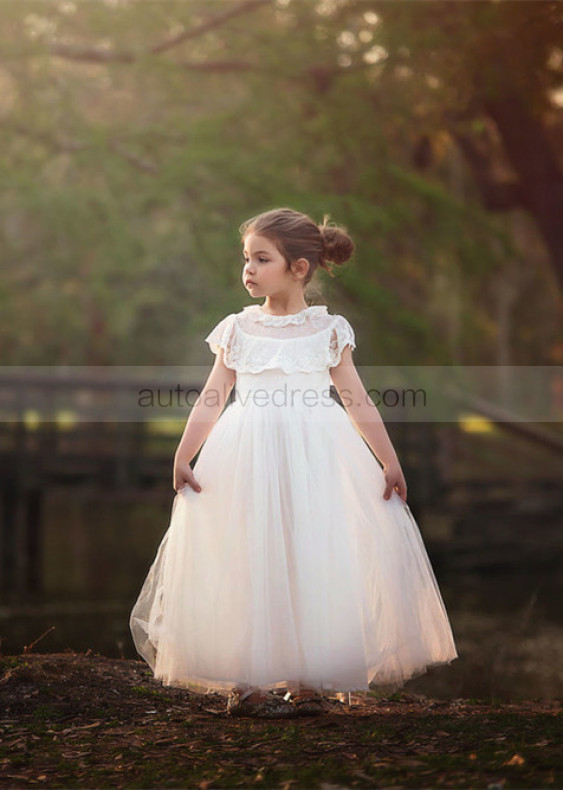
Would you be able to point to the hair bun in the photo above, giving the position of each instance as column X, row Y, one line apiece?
column 338, row 246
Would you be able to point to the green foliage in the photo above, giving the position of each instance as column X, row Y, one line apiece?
column 125, row 179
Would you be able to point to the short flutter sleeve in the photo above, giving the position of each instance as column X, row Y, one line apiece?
column 342, row 334
column 221, row 334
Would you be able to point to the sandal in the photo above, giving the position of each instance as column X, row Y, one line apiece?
column 308, row 705
column 270, row 706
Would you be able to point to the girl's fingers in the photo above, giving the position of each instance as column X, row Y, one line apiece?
column 400, row 487
column 402, row 490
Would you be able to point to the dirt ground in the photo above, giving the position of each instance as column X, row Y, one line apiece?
column 84, row 720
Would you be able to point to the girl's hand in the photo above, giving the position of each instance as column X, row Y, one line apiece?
column 183, row 476
column 394, row 480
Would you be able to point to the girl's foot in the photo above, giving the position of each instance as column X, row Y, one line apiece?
column 259, row 704
column 305, row 692
column 307, row 702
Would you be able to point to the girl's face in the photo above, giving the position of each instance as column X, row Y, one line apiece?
column 265, row 272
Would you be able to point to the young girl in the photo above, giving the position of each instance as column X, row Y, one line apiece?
column 292, row 561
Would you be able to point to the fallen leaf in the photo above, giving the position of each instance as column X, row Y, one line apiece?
column 515, row 760
column 362, row 775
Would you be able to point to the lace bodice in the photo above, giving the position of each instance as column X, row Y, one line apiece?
column 308, row 341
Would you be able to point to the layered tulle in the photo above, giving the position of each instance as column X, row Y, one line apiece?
column 289, row 565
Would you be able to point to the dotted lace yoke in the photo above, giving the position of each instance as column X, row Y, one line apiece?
column 310, row 340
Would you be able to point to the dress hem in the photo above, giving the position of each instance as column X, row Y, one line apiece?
column 201, row 685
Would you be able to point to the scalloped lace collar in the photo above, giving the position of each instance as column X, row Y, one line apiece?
column 257, row 314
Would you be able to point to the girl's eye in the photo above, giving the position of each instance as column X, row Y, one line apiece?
column 261, row 260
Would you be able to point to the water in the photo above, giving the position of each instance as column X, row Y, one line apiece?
column 507, row 627
column 498, row 567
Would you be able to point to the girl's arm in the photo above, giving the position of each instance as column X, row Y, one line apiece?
column 367, row 419
column 202, row 418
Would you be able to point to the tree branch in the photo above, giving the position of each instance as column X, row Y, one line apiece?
column 95, row 55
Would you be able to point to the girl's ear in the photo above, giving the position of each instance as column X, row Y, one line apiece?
column 300, row 267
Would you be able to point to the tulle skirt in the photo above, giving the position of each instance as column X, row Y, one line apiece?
column 289, row 566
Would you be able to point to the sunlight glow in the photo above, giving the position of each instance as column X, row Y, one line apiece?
column 66, row 419
column 344, row 60
column 556, row 96
column 403, row 72
column 432, row 81
column 326, row 7
column 164, row 427
column 37, row 26
column 347, row 40
column 31, row 419
column 475, row 423
column 371, row 18
column 375, row 54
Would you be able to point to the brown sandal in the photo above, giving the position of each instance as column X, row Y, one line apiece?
column 308, row 705
column 269, row 706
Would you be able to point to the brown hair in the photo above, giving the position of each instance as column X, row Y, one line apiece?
column 296, row 235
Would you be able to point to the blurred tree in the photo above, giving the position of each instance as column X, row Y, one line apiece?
column 136, row 138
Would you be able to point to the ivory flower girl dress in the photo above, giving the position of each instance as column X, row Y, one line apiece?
column 289, row 565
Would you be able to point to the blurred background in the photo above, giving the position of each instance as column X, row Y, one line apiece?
column 137, row 136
